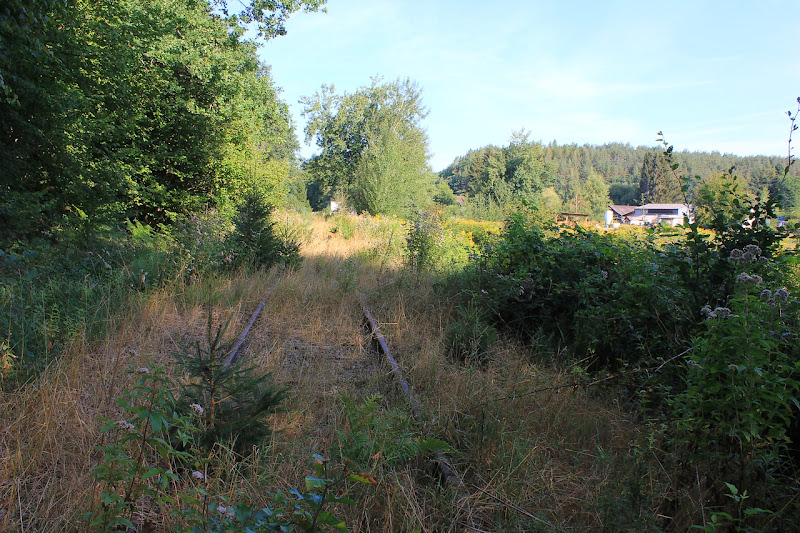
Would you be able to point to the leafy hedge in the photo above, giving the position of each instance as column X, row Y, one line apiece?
column 609, row 300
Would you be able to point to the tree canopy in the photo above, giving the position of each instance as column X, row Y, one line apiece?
column 372, row 145
column 139, row 110
column 587, row 178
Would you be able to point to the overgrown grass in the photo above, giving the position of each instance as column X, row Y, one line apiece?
column 539, row 447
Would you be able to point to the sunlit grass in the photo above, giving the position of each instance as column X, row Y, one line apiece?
column 529, row 452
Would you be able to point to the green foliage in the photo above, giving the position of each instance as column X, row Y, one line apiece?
column 501, row 177
column 372, row 145
column 656, row 184
column 595, row 294
column 344, row 225
column 234, row 401
column 392, row 174
column 255, row 237
column 727, row 522
column 431, row 246
column 98, row 127
column 145, row 461
column 442, row 193
column 388, row 434
column 478, row 232
column 141, row 461
column 425, row 235
column 50, row 293
column 741, row 382
column 305, row 511
column 619, row 167
column 269, row 16
column 719, row 201
column 737, row 222
column 470, row 336
column 35, row 92
column 624, row 194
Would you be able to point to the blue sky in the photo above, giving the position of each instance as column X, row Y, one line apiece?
column 711, row 75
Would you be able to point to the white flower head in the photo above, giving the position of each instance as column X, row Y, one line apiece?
column 753, row 249
column 722, row 312
column 781, row 295
column 766, row 294
column 744, row 277
column 142, row 370
column 125, row 425
column 198, row 475
column 197, row 409
column 221, row 509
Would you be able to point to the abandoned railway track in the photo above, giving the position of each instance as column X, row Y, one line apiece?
column 445, row 471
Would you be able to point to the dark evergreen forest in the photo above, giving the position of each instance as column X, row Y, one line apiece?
column 587, row 178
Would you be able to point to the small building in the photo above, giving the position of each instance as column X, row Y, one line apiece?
column 620, row 212
column 571, row 218
column 650, row 214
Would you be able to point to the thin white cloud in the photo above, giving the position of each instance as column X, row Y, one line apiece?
column 574, row 72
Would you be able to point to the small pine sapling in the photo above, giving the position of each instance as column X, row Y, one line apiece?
column 234, row 402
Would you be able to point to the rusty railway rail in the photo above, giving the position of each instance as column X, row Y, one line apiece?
column 228, row 361
column 447, row 471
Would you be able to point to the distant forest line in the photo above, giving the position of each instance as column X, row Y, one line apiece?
column 587, row 178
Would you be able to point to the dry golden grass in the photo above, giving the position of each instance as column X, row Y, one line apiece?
column 528, row 459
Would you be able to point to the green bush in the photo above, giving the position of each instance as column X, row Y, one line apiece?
column 344, row 225
column 387, row 433
column 470, row 336
column 609, row 301
column 234, row 401
column 431, row 247
column 742, row 392
column 256, row 239
column 51, row 291
column 151, row 459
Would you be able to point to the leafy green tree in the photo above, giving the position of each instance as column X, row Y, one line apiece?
column 442, row 193
column 526, row 171
column 35, row 98
column 623, row 193
column 269, row 16
column 719, row 197
column 657, row 183
column 391, row 175
column 497, row 177
column 126, row 109
column 490, row 181
column 595, row 192
column 624, row 169
column 373, row 147
column 550, row 202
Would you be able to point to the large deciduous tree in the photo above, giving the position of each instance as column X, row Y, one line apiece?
column 372, row 144
column 131, row 109
column 499, row 177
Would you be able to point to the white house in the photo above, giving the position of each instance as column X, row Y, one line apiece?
column 647, row 215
